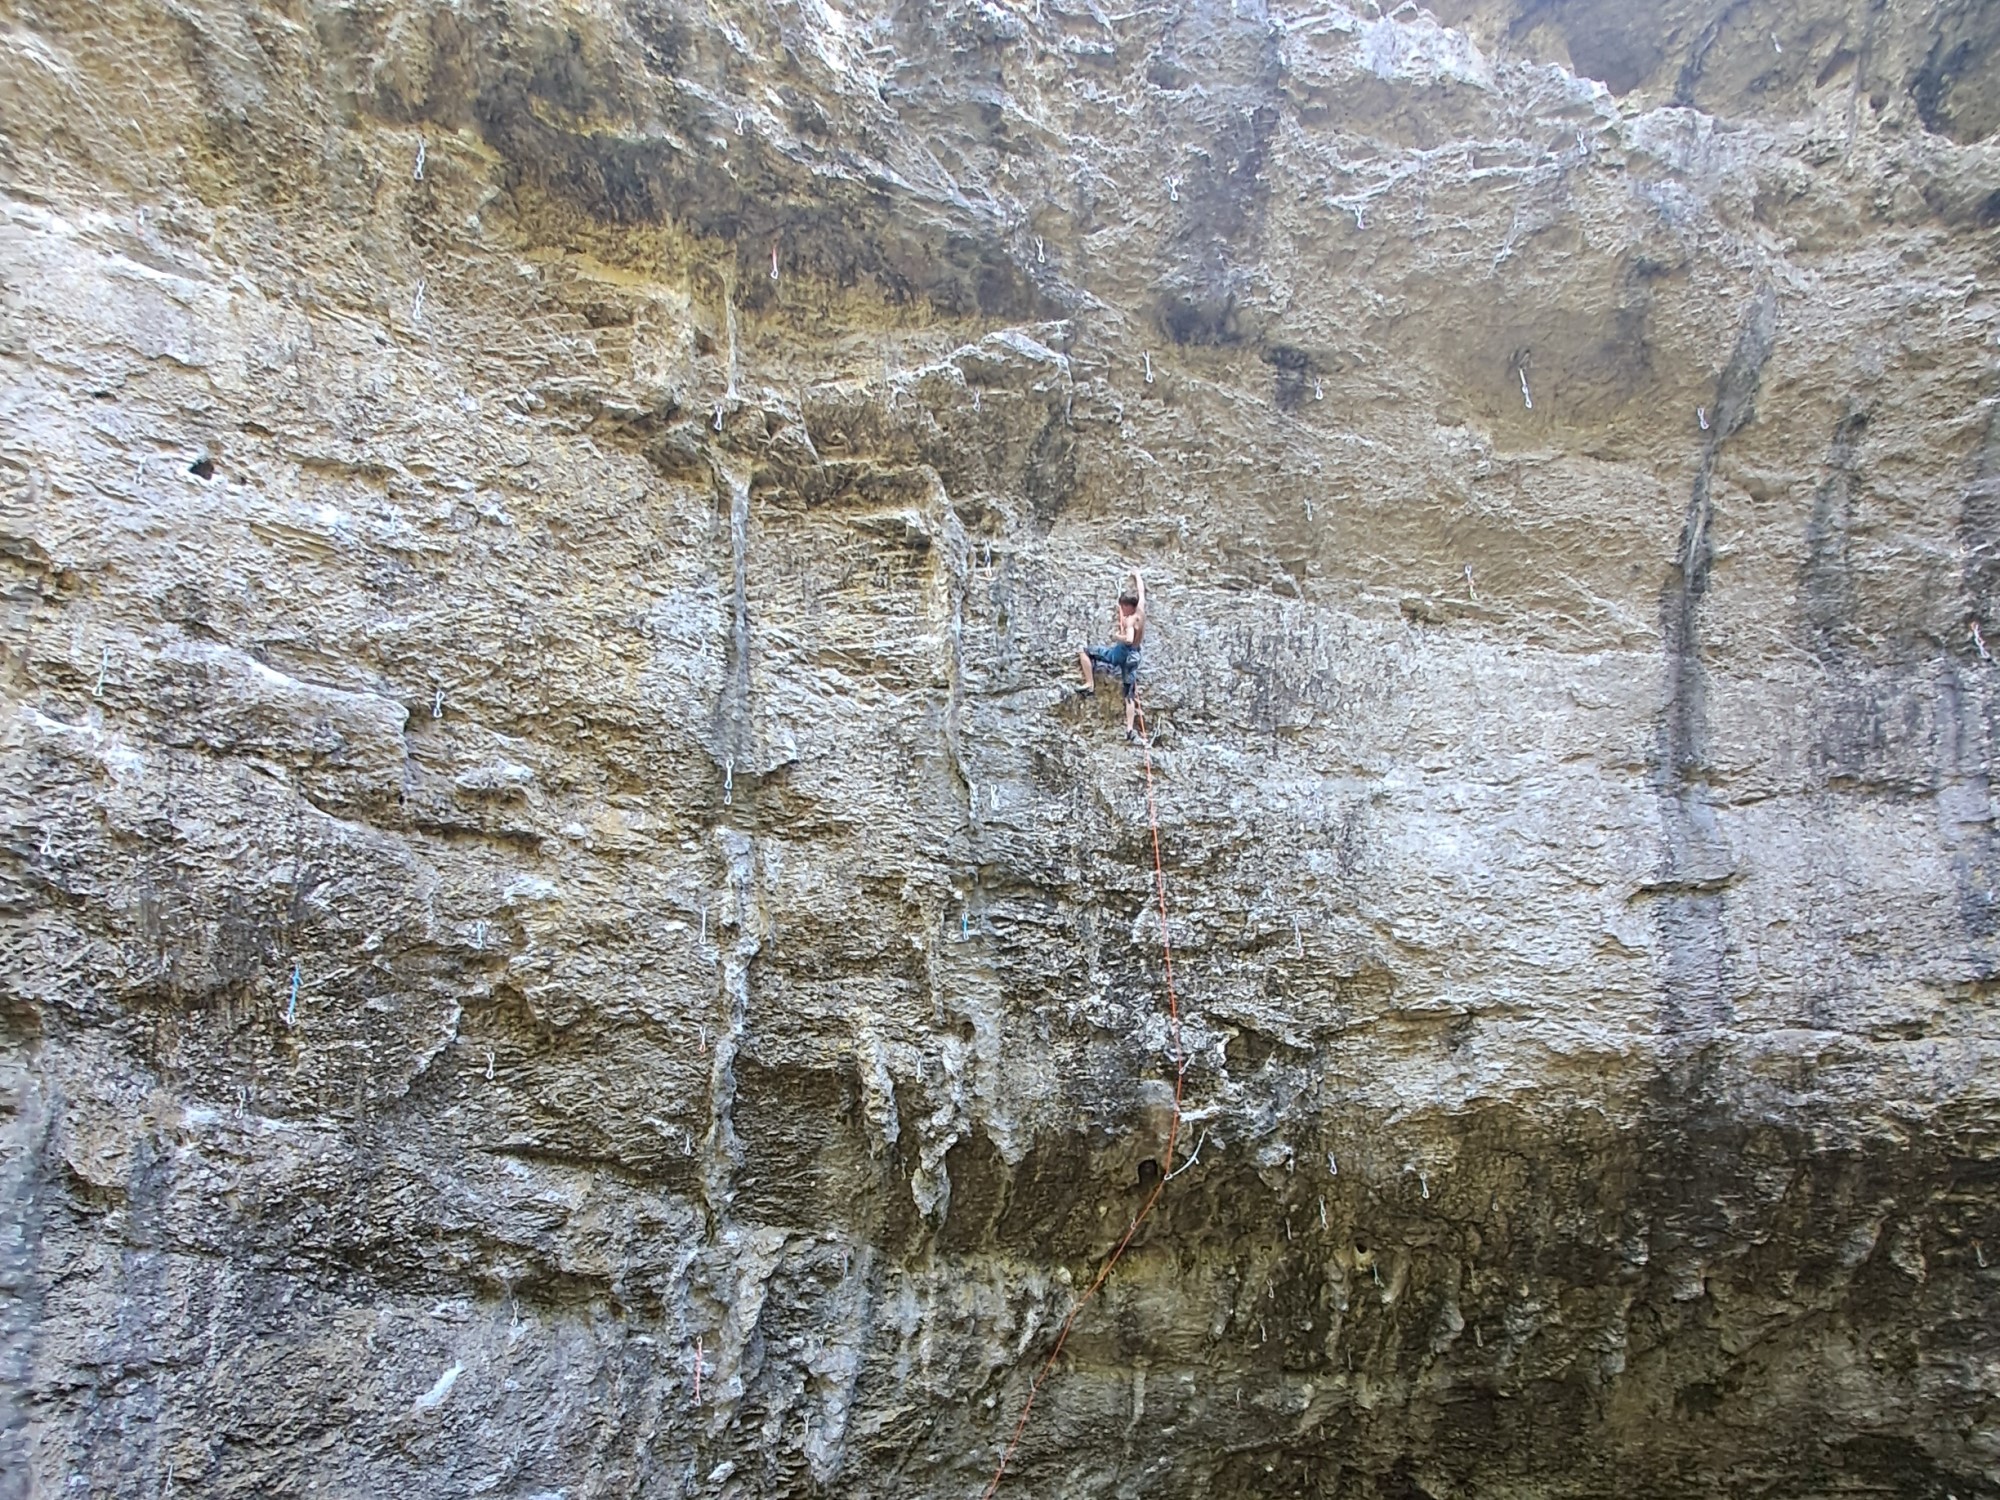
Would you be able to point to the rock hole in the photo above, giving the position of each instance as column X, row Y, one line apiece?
column 203, row 467
column 1149, row 1174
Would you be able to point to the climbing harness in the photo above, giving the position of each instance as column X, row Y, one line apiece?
column 1173, row 1129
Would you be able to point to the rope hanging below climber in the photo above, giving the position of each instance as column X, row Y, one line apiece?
column 1129, row 623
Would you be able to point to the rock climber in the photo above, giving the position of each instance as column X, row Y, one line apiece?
column 1128, row 630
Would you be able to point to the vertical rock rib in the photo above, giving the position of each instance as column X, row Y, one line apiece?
column 1696, row 860
column 1969, row 717
column 1691, row 1122
column 733, row 738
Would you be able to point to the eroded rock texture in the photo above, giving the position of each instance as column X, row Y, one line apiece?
column 548, row 862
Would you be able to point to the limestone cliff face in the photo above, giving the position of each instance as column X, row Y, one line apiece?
column 563, row 936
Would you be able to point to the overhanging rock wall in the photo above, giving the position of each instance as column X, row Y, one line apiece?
column 563, row 936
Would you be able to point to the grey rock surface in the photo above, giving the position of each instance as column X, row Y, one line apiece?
column 563, row 935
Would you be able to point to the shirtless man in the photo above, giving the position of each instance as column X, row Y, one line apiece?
column 1128, row 630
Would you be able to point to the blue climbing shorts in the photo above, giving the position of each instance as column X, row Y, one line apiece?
column 1123, row 659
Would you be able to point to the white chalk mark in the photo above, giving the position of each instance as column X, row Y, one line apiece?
column 432, row 1397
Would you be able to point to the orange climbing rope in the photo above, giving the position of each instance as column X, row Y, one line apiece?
column 1173, row 1129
